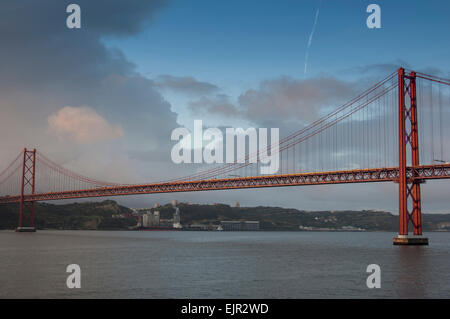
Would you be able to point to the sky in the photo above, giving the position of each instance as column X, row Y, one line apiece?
column 103, row 100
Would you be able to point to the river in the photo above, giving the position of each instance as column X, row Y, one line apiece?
column 169, row 264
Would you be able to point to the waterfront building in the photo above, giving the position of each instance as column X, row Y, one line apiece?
column 239, row 225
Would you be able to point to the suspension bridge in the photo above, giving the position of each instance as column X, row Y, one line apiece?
column 372, row 138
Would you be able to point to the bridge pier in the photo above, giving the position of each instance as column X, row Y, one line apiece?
column 404, row 240
column 25, row 229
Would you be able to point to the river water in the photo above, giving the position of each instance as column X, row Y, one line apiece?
column 127, row 264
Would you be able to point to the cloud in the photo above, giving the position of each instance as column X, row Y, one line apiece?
column 82, row 125
column 219, row 105
column 377, row 68
column 287, row 98
column 280, row 100
column 383, row 69
column 185, row 84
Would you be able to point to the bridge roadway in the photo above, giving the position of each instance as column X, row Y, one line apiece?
column 390, row 174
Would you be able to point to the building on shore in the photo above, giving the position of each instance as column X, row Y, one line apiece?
column 151, row 218
column 177, row 219
column 148, row 219
column 246, row 225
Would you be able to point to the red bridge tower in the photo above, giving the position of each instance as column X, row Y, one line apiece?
column 409, row 186
column 26, row 209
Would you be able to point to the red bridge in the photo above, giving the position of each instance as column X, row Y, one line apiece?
column 372, row 138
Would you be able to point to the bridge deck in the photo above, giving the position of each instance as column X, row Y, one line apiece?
column 389, row 174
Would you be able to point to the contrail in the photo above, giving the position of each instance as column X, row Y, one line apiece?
column 311, row 37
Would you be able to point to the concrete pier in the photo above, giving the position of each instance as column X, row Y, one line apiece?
column 25, row 229
column 410, row 240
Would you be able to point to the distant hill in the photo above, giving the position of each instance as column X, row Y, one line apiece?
column 277, row 218
column 99, row 215
column 91, row 215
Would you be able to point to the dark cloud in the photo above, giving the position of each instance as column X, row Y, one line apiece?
column 46, row 67
column 185, row 84
column 37, row 47
column 101, row 17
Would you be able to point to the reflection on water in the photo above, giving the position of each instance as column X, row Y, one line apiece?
column 221, row 265
column 413, row 271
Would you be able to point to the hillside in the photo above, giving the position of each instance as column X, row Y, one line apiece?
column 70, row 216
column 99, row 215
column 277, row 218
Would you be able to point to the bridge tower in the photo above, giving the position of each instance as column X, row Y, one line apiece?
column 409, row 185
column 26, row 209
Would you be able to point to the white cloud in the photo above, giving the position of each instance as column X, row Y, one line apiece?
column 83, row 125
